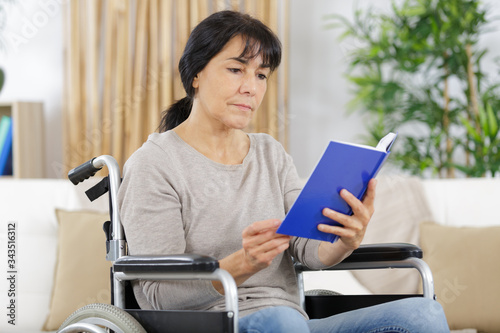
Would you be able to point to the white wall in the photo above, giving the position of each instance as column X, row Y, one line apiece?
column 33, row 63
column 318, row 92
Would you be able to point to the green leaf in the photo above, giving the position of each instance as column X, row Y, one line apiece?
column 412, row 11
column 492, row 122
column 483, row 121
column 471, row 130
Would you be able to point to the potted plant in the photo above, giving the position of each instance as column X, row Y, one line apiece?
column 418, row 70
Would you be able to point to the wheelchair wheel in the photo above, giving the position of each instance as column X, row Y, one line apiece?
column 107, row 316
column 321, row 292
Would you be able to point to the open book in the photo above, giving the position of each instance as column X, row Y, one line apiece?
column 342, row 165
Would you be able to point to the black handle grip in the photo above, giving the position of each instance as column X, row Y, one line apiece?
column 82, row 172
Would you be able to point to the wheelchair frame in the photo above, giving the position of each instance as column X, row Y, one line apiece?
column 193, row 267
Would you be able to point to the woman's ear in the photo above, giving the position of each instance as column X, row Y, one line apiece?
column 195, row 82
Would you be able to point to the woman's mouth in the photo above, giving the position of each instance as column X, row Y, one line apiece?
column 243, row 107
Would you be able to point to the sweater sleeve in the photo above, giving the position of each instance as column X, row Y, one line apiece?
column 302, row 249
column 151, row 215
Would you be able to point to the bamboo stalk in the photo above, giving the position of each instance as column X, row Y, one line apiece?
column 122, row 68
column 193, row 14
column 219, row 5
column 283, row 30
column 129, row 78
column 74, row 95
column 67, row 96
column 93, row 34
column 272, row 115
column 234, row 5
column 166, row 59
column 202, row 10
column 473, row 112
column 272, row 107
column 109, row 61
column 261, row 13
column 153, row 70
column 182, row 34
column 262, row 116
column 472, row 86
column 85, row 143
column 135, row 129
column 450, row 172
column 250, row 7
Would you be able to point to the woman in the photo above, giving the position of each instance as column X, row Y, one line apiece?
column 205, row 186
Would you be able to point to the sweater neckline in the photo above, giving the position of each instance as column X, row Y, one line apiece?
column 191, row 150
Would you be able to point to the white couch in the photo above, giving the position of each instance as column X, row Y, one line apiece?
column 31, row 204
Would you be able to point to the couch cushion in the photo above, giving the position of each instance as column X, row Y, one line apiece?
column 31, row 204
column 464, row 263
column 82, row 272
column 458, row 202
column 400, row 206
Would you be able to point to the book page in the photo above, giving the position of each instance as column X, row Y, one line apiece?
column 383, row 145
column 386, row 142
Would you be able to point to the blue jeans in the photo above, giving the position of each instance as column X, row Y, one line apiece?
column 410, row 315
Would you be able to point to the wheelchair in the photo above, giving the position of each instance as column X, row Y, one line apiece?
column 124, row 315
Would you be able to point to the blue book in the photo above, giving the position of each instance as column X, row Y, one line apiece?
column 6, row 152
column 4, row 128
column 342, row 165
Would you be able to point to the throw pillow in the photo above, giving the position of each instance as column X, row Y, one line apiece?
column 82, row 272
column 400, row 206
column 466, row 272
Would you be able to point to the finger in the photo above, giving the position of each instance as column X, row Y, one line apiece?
column 343, row 219
column 274, row 245
column 266, row 252
column 273, row 252
column 351, row 229
column 351, row 200
column 262, row 238
column 358, row 207
column 261, row 226
column 336, row 230
column 369, row 199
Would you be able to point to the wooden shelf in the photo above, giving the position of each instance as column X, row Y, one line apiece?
column 28, row 138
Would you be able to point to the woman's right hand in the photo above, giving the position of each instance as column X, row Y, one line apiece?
column 261, row 244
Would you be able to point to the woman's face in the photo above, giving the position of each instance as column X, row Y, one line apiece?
column 230, row 88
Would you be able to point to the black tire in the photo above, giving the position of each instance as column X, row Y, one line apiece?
column 105, row 315
column 322, row 292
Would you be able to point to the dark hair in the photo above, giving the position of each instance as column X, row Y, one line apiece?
column 207, row 39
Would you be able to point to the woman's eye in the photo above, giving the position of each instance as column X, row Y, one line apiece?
column 262, row 76
column 234, row 70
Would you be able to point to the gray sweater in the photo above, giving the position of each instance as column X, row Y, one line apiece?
column 175, row 200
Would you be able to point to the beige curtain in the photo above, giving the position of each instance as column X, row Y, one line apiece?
column 121, row 70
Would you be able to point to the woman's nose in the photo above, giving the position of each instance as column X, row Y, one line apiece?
column 249, row 85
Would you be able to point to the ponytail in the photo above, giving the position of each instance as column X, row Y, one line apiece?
column 175, row 114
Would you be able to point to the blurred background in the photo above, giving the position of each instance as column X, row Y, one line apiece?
column 312, row 91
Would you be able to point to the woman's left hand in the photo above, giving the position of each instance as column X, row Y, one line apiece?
column 353, row 227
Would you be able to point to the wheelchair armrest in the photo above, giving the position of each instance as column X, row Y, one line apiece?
column 384, row 252
column 388, row 255
column 174, row 267
column 181, row 263
column 375, row 253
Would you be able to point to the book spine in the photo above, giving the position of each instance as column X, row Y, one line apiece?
column 6, row 152
column 4, row 128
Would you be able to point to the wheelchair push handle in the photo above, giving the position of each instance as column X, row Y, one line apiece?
column 83, row 171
